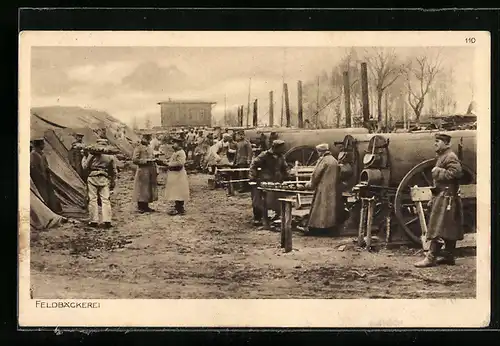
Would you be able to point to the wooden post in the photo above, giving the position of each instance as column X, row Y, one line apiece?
column 288, row 226
column 230, row 188
column 369, row 221
column 364, row 93
column 271, row 109
column 242, row 110
column 248, row 105
column 283, row 222
column 265, row 215
column 347, row 95
column 362, row 222
column 255, row 118
column 287, row 105
column 300, row 109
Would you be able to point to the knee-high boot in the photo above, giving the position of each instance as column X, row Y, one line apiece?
column 448, row 255
column 430, row 258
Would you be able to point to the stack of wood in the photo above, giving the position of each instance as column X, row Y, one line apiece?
column 101, row 149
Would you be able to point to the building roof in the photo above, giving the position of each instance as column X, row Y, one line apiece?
column 186, row 101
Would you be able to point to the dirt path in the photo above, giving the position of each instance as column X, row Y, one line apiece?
column 214, row 252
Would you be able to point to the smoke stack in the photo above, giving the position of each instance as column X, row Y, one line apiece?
column 271, row 109
column 364, row 93
column 255, row 122
column 287, row 105
column 300, row 110
column 347, row 95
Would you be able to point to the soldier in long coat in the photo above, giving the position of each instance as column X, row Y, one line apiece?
column 41, row 176
column 145, row 182
column 177, row 186
column 446, row 219
column 327, row 205
column 273, row 168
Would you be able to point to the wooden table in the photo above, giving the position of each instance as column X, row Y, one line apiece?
column 286, row 213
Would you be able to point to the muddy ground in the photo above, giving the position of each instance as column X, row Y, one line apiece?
column 214, row 252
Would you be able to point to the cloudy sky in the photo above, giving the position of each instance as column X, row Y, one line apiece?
column 129, row 81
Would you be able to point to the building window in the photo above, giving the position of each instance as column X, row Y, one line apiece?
column 202, row 113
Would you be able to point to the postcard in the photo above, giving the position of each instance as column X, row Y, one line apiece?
column 254, row 179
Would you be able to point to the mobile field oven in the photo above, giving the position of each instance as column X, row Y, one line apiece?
column 384, row 168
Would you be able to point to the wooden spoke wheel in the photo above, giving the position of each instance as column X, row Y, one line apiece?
column 305, row 154
column 404, row 208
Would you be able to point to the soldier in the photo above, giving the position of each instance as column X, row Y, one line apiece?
column 327, row 208
column 101, row 180
column 243, row 156
column 177, row 187
column 273, row 168
column 145, row 183
column 41, row 175
column 446, row 219
column 75, row 154
column 191, row 143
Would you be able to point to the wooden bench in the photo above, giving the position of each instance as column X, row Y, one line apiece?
column 424, row 194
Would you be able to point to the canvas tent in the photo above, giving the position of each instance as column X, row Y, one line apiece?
column 69, row 187
column 87, row 121
column 41, row 217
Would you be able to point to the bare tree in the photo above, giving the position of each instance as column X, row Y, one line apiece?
column 385, row 70
column 420, row 73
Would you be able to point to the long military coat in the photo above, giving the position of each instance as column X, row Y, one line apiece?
column 177, row 186
column 327, row 201
column 145, row 182
column 446, row 218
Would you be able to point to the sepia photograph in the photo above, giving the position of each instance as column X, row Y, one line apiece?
column 249, row 167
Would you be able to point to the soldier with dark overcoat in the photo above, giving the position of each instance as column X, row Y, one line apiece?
column 446, row 218
column 273, row 168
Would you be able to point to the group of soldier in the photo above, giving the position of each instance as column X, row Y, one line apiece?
column 266, row 162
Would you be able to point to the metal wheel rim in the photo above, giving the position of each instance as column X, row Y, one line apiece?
column 398, row 199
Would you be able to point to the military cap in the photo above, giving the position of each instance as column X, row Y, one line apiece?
column 322, row 147
column 278, row 142
column 79, row 134
column 444, row 137
column 177, row 140
column 102, row 141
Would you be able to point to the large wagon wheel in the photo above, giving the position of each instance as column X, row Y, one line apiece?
column 405, row 210
column 306, row 155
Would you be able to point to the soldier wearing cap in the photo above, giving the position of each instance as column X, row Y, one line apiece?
column 446, row 219
column 243, row 155
column 101, row 177
column 327, row 208
column 145, row 182
column 75, row 154
column 273, row 168
column 41, row 175
column 190, row 143
column 218, row 153
column 177, row 186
